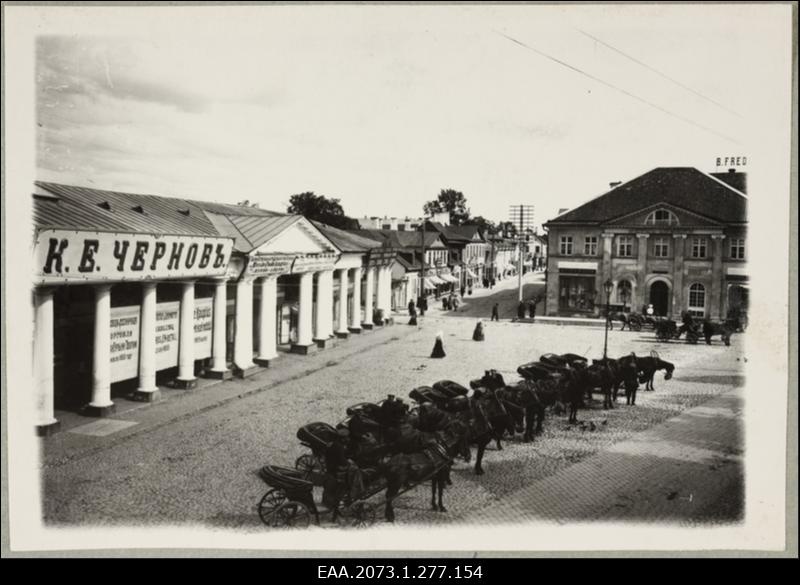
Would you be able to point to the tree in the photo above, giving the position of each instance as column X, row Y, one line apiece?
column 485, row 226
column 451, row 201
column 508, row 229
column 246, row 203
column 320, row 208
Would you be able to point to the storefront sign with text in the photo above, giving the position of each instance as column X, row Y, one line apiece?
column 77, row 256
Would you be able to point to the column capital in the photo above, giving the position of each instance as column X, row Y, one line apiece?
column 102, row 287
column 149, row 284
column 681, row 236
column 717, row 236
column 608, row 235
column 642, row 235
column 268, row 278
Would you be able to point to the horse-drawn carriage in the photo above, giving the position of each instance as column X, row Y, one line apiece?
column 667, row 329
column 291, row 502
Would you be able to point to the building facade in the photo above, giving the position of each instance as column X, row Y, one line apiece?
column 673, row 238
column 134, row 293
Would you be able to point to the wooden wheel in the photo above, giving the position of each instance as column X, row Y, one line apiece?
column 309, row 464
column 271, row 501
column 291, row 514
column 359, row 515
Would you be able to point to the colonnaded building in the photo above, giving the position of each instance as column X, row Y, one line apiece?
column 133, row 292
column 674, row 237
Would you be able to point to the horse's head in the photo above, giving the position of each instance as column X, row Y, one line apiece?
column 668, row 367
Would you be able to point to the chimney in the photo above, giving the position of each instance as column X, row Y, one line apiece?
column 733, row 178
column 615, row 184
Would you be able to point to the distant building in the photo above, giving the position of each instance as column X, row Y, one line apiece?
column 673, row 237
column 402, row 224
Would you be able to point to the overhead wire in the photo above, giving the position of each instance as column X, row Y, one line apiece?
column 617, row 88
column 656, row 71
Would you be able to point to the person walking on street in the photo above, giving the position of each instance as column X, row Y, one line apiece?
column 423, row 305
column 532, row 308
column 496, row 312
column 521, row 310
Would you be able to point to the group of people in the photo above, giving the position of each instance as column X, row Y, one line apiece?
column 530, row 305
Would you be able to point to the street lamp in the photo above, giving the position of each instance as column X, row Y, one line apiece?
column 608, row 286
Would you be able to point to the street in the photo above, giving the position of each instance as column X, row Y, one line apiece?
column 639, row 463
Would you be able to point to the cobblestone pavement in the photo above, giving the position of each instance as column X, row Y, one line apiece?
column 201, row 468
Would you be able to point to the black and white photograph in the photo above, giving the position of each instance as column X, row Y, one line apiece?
column 458, row 279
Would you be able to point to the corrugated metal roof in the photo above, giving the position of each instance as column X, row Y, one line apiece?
column 348, row 241
column 79, row 207
column 261, row 229
column 231, row 209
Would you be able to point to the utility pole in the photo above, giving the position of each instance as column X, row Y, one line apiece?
column 422, row 281
column 521, row 215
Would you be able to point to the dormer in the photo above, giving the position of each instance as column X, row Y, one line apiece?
column 661, row 217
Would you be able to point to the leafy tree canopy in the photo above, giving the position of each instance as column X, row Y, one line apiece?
column 320, row 208
column 451, row 201
column 485, row 226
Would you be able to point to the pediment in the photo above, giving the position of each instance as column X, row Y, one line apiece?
column 685, row 218
column 301, row 237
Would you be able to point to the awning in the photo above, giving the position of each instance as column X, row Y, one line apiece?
column 429, row 285
column 471, row 274
column 436, row 280
column 447, row 278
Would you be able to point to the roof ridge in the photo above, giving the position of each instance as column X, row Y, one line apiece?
column 721, row 182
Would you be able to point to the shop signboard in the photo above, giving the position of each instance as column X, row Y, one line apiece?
column 316, row 263
column 203, row 327
column 92, row 256
column 269, row 264
column 167, row 334
column 381, row 257
column 124, row 343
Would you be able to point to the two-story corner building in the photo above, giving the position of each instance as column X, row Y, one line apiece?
column 473, row 256
column 674, row 237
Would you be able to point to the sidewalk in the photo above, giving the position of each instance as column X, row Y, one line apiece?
column 687, row 470
column 82, row 436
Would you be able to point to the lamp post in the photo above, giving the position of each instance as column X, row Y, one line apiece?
column 608, row 286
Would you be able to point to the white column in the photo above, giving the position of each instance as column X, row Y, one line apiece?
column 186, row 377
column 355, row 316
column 368, row 297
column 304, row 325
column 324, row 328
column 342, row 330
column 266, row 321
column 147, row 344
column 385, row 291
column 101, row 404
column 219, row 367
column 243, row 342
column 46, row 422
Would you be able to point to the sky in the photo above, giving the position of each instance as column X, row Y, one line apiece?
column 384, row 106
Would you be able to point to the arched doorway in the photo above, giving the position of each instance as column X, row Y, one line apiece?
column 659, row 297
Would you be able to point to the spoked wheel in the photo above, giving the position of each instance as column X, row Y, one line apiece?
column 309, row 464
column 271, row 501
column 359, row 515
column 290, row 514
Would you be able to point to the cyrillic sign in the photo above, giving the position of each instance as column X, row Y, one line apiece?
column 313, row 263
column 269, row 265
column 381, row 257
column 68, row 255
column 124, row 343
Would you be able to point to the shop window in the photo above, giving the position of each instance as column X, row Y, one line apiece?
column 589, row 246
column 566, row 246
column 661, row 248
column 737, row 248
column 699, row 248
column 577, row 293
column 625, row 246
column 697, row 300
column 661, row 217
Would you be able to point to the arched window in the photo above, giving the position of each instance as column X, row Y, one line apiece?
column 697, row 300
column 661, row 217
column 624, row 290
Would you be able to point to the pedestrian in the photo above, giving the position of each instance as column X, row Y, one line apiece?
column 496, row 312
column 521, row 310
column 455, row 303
column 438, row 347
column 477, row 335
column 423, row 305
column 532, row 308
column 335, row 462
column 412, row 312
column 463, row 290
column 445, row 303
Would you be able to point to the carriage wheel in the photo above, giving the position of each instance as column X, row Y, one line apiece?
column 271, row 501
column 291, row 514
column 636, row 325
column 309, row 464
column 359, row 515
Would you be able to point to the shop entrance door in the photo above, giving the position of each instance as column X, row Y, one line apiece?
column 659, row 297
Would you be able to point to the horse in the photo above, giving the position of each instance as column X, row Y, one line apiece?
column 711, row 328
column 647, row 367
column 598, row 375
column 432, row 461
column 624, row 373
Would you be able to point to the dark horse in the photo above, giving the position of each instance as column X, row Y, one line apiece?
column 711, row 328
column 432, row 461
column 647, row 367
